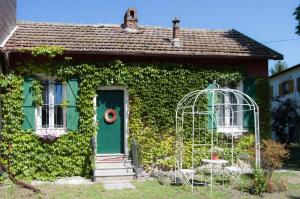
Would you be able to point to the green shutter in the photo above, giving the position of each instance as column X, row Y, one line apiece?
column 211, row 101
column 72, row 113
column 28, row 105
column 249, row 89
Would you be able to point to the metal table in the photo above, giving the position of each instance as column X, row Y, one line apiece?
column 214, row 164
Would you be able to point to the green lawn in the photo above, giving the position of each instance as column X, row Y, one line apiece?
column 147, row 190
column 154, row 190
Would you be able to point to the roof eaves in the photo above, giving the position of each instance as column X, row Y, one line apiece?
column 284, row 71
column 275, row 56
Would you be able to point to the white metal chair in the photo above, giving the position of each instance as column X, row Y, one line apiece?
column 241, row 167
column 186, row 175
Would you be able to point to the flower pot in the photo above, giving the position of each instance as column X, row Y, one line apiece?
column 214, row 156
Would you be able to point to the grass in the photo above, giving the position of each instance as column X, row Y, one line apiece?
column 146, row 190
column 154, row 190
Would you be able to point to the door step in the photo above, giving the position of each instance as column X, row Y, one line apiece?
column 113, row 167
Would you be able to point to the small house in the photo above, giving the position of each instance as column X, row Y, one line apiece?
column 89, row 90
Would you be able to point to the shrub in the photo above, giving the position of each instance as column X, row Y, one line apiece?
column 272, row 155
column 259, row 182
column 270, row 186
column 282, row 185
column 246, row 145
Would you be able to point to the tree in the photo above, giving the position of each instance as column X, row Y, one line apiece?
column 283, row 116
column 297, row 16
column 278, row 67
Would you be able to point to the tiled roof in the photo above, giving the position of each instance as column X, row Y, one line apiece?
column 112, row 39
column 285, row 71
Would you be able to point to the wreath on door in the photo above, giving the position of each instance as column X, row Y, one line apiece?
column 110, row 116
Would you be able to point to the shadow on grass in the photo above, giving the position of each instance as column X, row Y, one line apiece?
column 294, row 197
column 293, row 162
column 196, row 183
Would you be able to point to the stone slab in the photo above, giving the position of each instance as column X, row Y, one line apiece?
column 118, row 185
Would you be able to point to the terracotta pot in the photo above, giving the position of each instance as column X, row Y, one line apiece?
column 214, row 156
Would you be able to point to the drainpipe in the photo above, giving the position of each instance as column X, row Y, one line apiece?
column 5, row 69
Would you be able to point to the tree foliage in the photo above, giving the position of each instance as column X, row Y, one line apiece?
column 283, row 116
column 278, row 67
column 297, row 16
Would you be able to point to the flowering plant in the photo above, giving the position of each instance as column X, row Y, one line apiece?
column 49, row 137
column 216, row 150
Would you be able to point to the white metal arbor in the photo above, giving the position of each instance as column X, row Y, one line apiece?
column 200, row 127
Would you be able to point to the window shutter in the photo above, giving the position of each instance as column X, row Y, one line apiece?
column 211, row 101
column 281, row 89
column 72, row 113
column 249, row 89
column 291, row 86
column 271, row 92
column 28, row 105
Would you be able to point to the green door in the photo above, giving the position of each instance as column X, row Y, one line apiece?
column 110, row 135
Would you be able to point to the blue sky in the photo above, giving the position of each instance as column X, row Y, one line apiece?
column 263, row 20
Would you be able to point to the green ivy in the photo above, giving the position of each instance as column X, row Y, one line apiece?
column 49, row 51
column 11, row 99
column 154, row 91
column 263, row 102
column 37, row 88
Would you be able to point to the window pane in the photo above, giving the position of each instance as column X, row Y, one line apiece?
column 45, row 116
column 221, row 111
column 233, row 112
column 58, row 116
column 58, row 92
column 58, row 110
column 45, row 107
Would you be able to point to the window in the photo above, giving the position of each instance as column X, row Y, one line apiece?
column 227, row 111
column 286, row 87
column 51, row 116
column 298, row 84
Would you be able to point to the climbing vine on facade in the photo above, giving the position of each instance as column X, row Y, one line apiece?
column 154, row 90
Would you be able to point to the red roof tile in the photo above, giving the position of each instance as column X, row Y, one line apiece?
column 113, row 39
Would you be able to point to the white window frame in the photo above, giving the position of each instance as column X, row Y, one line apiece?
column 227, row 127
column 38, row 110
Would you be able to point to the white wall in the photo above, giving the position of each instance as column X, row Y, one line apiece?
column 295, row 96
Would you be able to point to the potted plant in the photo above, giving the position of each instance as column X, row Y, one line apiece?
column 215, row 152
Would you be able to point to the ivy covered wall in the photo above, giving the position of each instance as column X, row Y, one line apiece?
column 154, row 90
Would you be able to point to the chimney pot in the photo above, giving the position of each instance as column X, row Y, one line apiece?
column 176, row 31
column 130, row 20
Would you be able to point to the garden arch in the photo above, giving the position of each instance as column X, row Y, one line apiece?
column 205, row 117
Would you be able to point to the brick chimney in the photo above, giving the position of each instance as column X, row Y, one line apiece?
column 176, row 31
column 130, row 20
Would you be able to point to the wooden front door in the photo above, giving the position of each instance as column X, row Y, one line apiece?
column 110, row 136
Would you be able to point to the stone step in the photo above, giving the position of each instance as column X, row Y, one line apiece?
column 113, row 166
column 123, row 178
column 113, row 172
column 114, row 161
column 110, row 157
